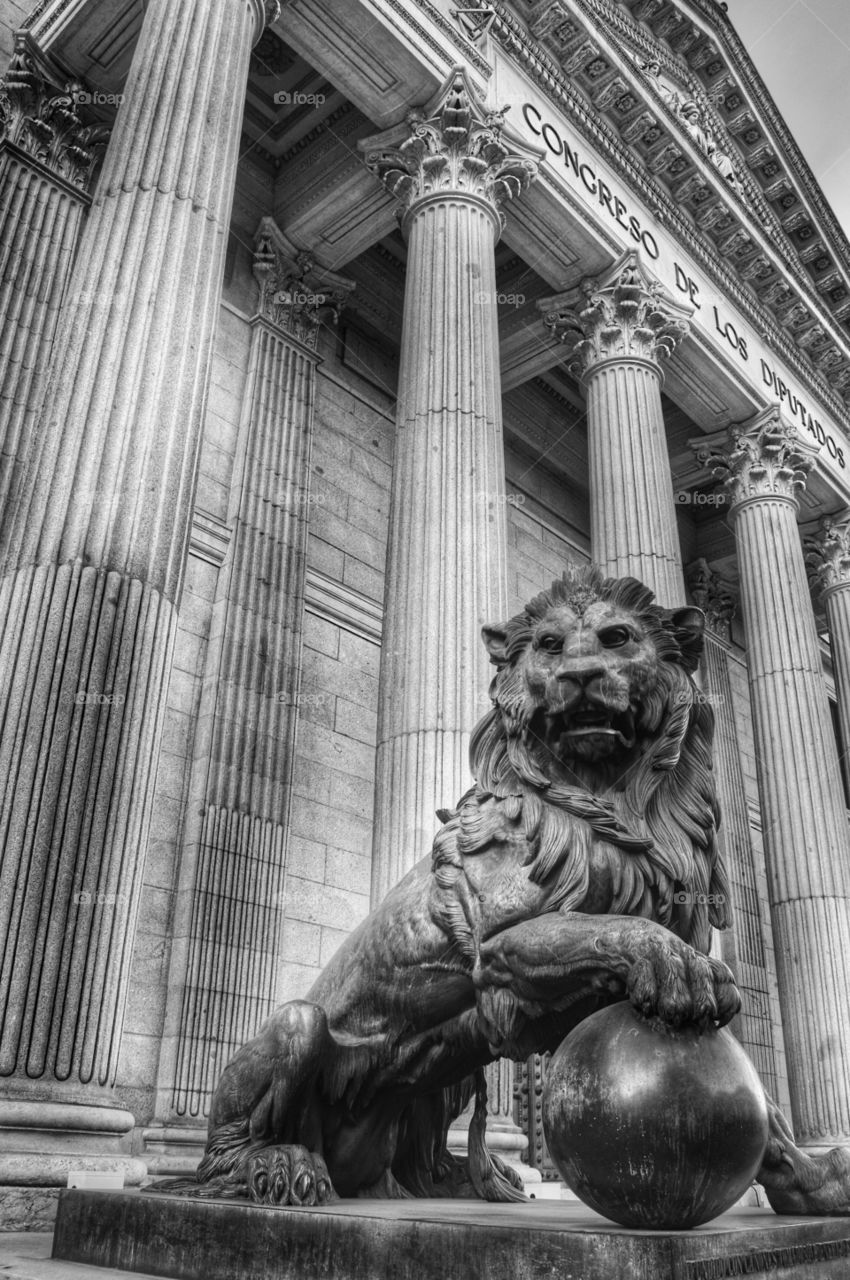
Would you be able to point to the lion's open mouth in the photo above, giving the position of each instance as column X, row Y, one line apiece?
column 590, row 727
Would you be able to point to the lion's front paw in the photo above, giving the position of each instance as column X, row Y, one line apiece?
column 289, row 1175
column 671, row 981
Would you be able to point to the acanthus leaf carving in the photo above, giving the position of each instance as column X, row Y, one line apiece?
column 626, row 314
column 295, row 294
column 452, row 144
column 762, row 458
column 39, row 114
column 828, row 553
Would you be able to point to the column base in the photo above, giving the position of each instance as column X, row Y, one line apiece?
column 173, row 1152
column 43, row 1142
column 504, row 1138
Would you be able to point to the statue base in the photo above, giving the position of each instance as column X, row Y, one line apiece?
column 432, row 1239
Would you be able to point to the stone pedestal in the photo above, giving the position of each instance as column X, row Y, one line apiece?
column 807, row 843
column 451, row 166
column 433, row 1240
column 622, row 328
column 47, row 159
column 227, row 924
column 93, row 551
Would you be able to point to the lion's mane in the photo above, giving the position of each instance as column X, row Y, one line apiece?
column 657, row 830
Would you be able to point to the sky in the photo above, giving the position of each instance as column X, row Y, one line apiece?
column 802, row 51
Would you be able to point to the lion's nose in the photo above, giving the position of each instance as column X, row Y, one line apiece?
column 580, row 674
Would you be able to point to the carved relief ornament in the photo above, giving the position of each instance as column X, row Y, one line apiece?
column 623, row 314
column 452, row 144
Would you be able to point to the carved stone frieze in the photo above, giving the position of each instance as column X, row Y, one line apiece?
column 452, row 144
column 39, row 113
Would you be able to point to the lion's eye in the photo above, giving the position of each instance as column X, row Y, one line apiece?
column 550, row 643
column 614, row 637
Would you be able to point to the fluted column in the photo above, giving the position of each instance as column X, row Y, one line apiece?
column 807, row 846
column 226, row 952
column 625, row 324
column 47, row 157
column 93, row 560
column 829, row 567
column 452, row 166
column 742, row 946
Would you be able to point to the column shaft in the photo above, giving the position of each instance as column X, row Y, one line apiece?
column 633, row 531
column 94, row 551
column 805, row 825
column 452, row 166
column 626, row 324
column 446, row 564
column 45, row 174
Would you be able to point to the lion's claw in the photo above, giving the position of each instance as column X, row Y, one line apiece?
column 673, row 982
column 288, row 1175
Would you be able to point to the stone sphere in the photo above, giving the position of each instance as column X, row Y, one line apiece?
column 652, row 1127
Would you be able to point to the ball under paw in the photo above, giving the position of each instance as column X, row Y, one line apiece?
column 652, row 1127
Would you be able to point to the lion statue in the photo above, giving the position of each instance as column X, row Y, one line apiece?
column 582, row 868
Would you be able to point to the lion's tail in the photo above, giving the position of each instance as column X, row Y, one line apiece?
column 491, row 1179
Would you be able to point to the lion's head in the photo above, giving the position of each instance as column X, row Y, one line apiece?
column 600, row 739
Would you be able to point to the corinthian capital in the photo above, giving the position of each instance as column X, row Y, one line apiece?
column 624, row 314
column 39, row 114
column 452, row 144
column 295, row 294
column 828, row 553
column 763, row 458
column 712, row 595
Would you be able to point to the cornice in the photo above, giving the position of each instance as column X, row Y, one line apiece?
column 514, row 38
column 744, row 66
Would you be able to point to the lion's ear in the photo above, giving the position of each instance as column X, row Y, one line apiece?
column 496, row 643
column 689, row 627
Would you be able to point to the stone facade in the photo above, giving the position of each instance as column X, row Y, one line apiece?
column 293, row 402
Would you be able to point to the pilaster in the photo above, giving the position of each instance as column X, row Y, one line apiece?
column 93, row 554
column 229, row 913
column 807, row 847
column 621, row 326
column 742, row 945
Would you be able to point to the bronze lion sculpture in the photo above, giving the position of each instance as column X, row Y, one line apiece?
column 582, row 868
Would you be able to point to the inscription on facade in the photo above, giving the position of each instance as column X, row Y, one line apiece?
column 587, row 177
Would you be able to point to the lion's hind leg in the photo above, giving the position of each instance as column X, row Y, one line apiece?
column 797, row 1182
column 263, row 1113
